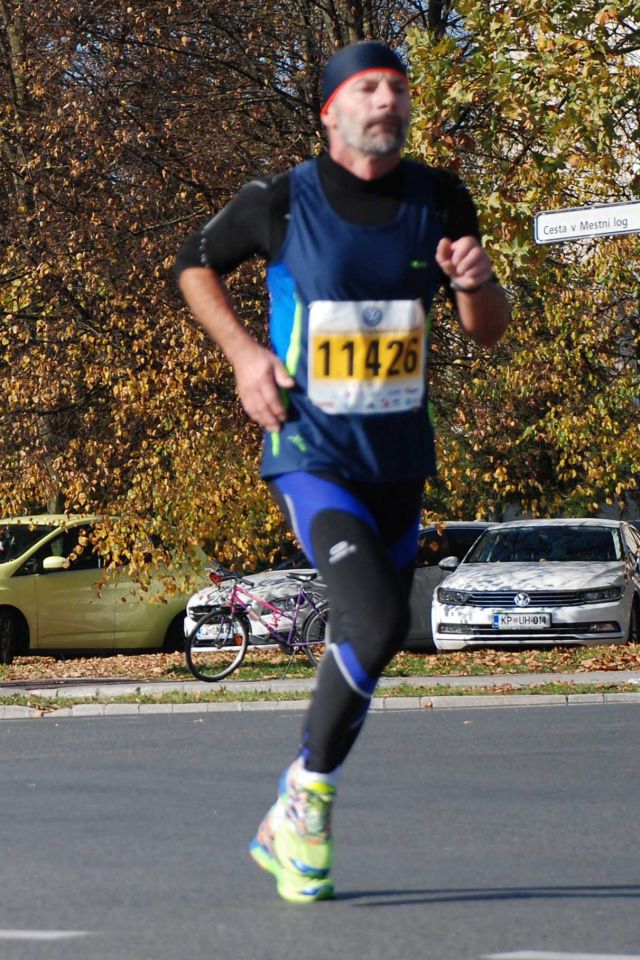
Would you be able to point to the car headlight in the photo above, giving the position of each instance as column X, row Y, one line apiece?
column 199, row 610
column 459, row 597
column 602, row 595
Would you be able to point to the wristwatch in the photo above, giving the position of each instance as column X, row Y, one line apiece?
column 479, row 286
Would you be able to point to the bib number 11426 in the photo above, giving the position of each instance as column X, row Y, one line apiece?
column 365, row 356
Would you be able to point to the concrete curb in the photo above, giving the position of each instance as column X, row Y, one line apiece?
column 109, row 691
column 98, row 698
column 378, row 705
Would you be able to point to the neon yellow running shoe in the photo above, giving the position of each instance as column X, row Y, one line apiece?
column 294, row 843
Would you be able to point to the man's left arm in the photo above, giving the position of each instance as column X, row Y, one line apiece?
column 481, row 302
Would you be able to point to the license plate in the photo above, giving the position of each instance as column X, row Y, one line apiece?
column 521, row 621
column 220, row 633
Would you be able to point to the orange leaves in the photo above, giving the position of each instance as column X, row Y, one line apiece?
column 606, row 15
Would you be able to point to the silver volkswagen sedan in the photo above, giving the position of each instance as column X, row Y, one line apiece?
column 542, row 582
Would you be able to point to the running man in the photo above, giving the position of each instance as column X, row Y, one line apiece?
column 357, row 243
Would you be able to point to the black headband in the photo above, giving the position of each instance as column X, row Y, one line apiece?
column 354, row 59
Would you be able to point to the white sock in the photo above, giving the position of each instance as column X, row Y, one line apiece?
column 307, row 777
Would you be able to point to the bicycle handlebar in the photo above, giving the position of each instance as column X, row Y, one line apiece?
column 220, row 574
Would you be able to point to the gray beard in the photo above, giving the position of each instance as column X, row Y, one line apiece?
column 376, row 144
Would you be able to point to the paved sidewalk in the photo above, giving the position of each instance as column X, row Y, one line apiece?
column 96, row 697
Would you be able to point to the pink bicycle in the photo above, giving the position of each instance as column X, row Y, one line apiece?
column 217, row 644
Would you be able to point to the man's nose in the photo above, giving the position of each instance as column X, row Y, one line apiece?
column 387, row 94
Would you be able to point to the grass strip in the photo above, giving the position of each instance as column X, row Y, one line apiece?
column 50, row 704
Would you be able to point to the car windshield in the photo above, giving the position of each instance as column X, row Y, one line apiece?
column 547, row 543
column 17, row 538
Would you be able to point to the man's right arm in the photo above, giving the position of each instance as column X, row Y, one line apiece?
column 259, row 373
column 253, row 223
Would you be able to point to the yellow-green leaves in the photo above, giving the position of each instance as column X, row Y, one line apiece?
column 535, row 105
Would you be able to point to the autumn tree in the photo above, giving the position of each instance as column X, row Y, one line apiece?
column 537, row 108
column 122, row 126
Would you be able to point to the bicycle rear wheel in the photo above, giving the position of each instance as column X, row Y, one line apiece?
column 216, row 646
column 314, row 633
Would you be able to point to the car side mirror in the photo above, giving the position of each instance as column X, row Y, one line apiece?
column 449, row 564
column 49, row 564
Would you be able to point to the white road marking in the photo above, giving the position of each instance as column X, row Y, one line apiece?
column 42, row 934
column 544, row 955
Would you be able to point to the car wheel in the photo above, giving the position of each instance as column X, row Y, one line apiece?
column 8, row 638
column 633, row 633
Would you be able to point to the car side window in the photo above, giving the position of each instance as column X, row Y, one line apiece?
column 73, row 545
column 430, row 548
column 435, row 545
column 52, row 548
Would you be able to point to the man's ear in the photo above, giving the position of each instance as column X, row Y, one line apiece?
column 327, row 117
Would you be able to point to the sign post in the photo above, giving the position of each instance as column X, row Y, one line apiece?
column 577, row 223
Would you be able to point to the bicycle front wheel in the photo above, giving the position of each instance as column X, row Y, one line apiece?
column 314, row 633
column 216, row 646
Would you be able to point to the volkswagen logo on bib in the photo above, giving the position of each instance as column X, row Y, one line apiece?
column 522, row 600
column 372, row 316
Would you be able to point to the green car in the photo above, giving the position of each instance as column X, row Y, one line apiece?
column 49, row 600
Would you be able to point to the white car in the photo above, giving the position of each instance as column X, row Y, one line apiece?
column 542, row 582
column 435, row 542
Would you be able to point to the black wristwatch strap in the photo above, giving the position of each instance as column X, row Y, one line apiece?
column 480, row 286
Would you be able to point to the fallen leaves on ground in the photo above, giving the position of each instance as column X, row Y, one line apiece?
column 162, row 666
column 154, row 666
column 560, row 660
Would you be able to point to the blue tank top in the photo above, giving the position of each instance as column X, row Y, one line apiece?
column 348, row 319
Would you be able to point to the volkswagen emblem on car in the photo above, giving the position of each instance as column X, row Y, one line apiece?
column 522, row 600
column 372, row 316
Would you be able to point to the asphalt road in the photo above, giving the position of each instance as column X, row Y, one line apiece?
column 460, row 835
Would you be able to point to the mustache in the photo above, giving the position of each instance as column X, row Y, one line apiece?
column 391, row 118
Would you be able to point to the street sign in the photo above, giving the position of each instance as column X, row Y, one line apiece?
column 576, row 223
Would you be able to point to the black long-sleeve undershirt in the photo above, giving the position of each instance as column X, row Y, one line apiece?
column 254, row 223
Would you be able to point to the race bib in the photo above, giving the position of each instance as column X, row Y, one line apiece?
column 366, row 356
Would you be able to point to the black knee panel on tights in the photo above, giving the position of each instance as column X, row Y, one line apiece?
column 369, row 598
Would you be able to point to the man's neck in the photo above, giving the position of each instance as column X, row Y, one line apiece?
column 364, row 166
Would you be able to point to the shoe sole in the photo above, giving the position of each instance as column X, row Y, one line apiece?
column 303, row 891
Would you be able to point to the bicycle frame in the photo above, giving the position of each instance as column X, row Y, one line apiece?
column 241, row 600
column 230, row 633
